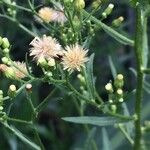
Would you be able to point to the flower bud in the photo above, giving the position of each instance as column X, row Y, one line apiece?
column 81, row 78
column 119, row 92
column 5, row 43
column 9, row 73
column 9, row 63
column 119, row 82
column 42, row 62
column 113, row 108
column 79, row 4
column 119, row 95
column 29, row 87
column 51, row 62
column 6, row 51
column 49, row 74
column 96, row 4
column 5, row 60
column 121, row 100
column 117, row 22
column 1, row 108
column 108, row 10
column 110, row 101
column 1, row 92
column 76, row 23
column 12, row 90
column 109, row 87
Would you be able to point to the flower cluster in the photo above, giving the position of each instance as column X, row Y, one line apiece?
column 73, row 57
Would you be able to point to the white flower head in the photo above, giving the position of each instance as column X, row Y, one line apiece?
column 46, row 14
column 74, row 57
column 45, row 47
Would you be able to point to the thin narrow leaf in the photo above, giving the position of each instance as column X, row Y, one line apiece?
column 129, row 125
column 88, row 72
column 106, row 142
column 90, row 138
column 99, row 121
column 112, row 67
column 27, row 65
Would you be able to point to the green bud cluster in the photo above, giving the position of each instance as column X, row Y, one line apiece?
column 115, row 91
column 82, row 85
column 68, row 35
column 11, row 9
column 5, row 48
column 4, row 43
column 46, row 64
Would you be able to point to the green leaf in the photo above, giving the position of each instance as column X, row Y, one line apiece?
column 129, row 125
column 90, row 139
column 99, row 121
column 27, row 65
column 88, row 73
column 106, row 142
column 112, row 67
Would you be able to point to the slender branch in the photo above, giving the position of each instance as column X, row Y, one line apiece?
column 18, row 120
column 44, row 103
column 21, row 136
column 146, row 71
column 140, row 76
column 34, row 114
column 121, row 127
column 38, row 138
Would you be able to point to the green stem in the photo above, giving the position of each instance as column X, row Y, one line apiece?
column 146, row 71
column 18, row 120
column 122, row 129
column 34, row 114
column 31, row 105
column 44, row 103
column 21, row 136
column 140, row 76
column 38, row 138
